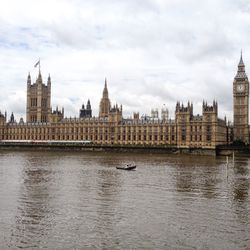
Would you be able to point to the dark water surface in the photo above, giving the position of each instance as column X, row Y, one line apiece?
column 65, row 200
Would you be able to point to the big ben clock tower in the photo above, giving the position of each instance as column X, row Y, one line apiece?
column 240, row 102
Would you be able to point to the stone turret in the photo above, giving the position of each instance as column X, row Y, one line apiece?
column 181, row 109
column 28, row 80
column 183, row 117
column 57, row 115
column 115, row 114
column 210, row 109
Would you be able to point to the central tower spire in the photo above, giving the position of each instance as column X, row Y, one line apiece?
column 105, row 102
column 105, row 93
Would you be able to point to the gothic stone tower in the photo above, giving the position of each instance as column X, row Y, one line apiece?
column 105, row 102
column 240, row 102
column 38, row 106
column 183, row 116
column 209, row 120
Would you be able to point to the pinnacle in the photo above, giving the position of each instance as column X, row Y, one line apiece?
column 241, row 63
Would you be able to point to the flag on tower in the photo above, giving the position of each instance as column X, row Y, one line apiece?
column 38, row 63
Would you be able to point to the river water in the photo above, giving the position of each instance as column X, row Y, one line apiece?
column 66, row 200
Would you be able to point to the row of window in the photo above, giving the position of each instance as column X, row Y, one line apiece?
column 33, row 118
column 81, row 130
column 105, row 137
column 196, row 138
column 90, row 137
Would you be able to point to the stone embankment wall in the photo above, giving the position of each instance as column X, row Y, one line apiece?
column 228, row 150
column 110, row 148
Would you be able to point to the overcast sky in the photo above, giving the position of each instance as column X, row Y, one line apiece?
column 153, row 52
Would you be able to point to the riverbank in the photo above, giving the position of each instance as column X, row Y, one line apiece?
column 227, row 150
column 224, row 150
column 163, row 149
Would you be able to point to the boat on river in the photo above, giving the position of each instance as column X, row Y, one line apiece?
column 127, row 167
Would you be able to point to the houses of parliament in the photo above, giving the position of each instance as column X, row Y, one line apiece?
column 186, row 130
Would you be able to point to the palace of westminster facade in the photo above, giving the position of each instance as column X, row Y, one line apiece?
column 185, row 131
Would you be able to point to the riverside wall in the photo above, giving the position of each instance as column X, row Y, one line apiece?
column 164, row 149
column 227, row 150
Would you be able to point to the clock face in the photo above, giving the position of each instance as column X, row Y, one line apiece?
column 240, row 87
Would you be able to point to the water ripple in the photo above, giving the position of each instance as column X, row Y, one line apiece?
column 69, row 200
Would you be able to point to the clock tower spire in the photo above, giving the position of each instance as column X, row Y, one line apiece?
column 240, row 103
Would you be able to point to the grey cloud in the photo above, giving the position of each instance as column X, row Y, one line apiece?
column 152, row 52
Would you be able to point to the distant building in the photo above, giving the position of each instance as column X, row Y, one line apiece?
column 86, row 112
column 12, row 118
column 154, row 114
column 164, row 113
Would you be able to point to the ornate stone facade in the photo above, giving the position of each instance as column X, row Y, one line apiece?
column 206, row 131
column 110, row 127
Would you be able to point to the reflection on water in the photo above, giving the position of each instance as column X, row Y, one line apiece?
column 240, row 180
column 32, row 205
column 81, row 201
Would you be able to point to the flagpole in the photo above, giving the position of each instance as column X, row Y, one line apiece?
column 38, row 63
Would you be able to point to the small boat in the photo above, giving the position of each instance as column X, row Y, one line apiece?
column 127, row 167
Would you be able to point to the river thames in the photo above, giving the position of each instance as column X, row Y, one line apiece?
column 67, row 200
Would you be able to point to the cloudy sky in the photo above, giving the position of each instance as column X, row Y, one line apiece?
column 153, row 52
